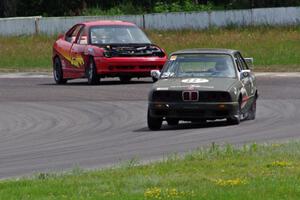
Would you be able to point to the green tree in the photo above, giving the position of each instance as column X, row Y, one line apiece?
column 8, row 8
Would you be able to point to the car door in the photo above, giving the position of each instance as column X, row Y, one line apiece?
column 70, row 38
column 246, row 78
column 77, row 52
column 251, row 77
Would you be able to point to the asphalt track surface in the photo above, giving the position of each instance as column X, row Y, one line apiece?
column 47, row 127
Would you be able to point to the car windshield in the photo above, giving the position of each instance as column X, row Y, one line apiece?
column 199, row 65
column 118, row 35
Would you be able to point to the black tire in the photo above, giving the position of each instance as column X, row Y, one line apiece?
column 252, row 111
column 58, row 72
column 235, row 120
column 172, row 122
column 154, row 79
column 125, row 79
column 154, row 123
column 92, row 76
column 201, row 121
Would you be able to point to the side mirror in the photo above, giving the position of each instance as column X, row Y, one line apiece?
column 249, row 62
column 155, row 74
column 245, row 73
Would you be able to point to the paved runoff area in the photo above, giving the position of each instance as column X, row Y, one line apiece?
column 48, row 127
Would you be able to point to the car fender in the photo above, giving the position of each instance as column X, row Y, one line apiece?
column 93, row 51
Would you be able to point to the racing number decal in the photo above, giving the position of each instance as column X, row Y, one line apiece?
column 195, row 80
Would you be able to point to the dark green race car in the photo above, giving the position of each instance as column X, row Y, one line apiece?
column 203, row 84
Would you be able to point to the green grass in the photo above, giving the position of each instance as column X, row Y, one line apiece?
column 26, row 53
column 273, row 49
column 249, row 172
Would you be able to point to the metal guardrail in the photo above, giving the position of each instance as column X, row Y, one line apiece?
column 161, row 21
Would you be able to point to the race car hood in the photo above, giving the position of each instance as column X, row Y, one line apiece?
column 131, row 50
column 201, row 84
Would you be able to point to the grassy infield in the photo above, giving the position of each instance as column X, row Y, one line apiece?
column 249, row 172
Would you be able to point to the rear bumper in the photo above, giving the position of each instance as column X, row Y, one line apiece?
column 131, row 66
column 193, row 111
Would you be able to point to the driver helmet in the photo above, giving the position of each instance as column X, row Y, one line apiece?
column 221, row 66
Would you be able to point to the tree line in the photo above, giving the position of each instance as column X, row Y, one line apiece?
column 13, row 8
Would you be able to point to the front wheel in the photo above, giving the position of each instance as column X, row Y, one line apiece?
column 125, row 79
column 58, row 72
column 154, row 123
column 172, row 122
column 236, row 119
column 252, row 111
column 93, row 78
column 154, row 79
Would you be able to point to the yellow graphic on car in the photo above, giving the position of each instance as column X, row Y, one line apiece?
column 77, row 61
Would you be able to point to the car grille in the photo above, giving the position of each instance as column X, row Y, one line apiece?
column 143, row 67
column 151, row 67
column 167, row 96
column 193, row 113
column 214, row 97
column 185, row 96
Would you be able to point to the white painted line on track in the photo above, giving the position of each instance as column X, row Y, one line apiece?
column 278, row 74
column 25, row 75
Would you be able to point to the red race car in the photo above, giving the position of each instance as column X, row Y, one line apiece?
column 100, row 49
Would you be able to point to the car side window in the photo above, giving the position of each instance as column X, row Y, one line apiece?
column 238, row 62
column 242, row 61
column 72, row 34
column 83, row 37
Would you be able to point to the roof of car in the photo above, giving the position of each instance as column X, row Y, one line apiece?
column 218, row 51
column 108, row 23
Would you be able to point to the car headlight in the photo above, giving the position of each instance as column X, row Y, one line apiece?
column 234, row 90
column 107, row 54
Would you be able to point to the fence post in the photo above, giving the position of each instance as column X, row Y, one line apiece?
column 36, row 24
column 144, row 23
column 209, row 19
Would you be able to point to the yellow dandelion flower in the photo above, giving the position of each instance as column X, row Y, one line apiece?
column 276, row 145
column 154, row 192
column 280, row 164
column 230, row 182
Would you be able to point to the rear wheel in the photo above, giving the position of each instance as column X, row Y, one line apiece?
column 125, row 79
column 58, row 72
column 93, row 78
column 172, row 122
column 154, row 123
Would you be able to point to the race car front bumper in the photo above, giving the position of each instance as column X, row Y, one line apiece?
column 133, row 66
column 193, row 111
